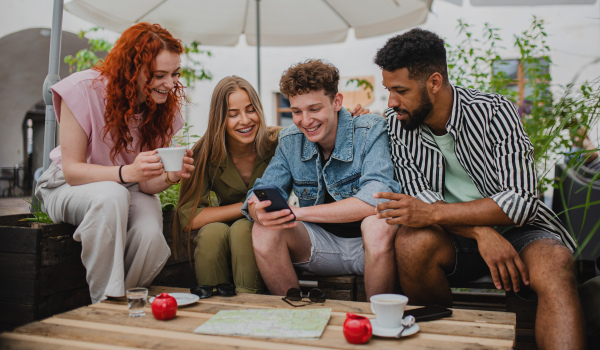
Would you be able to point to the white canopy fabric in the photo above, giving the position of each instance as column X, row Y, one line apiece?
column 282, row 22
column 222, row 22
column 529, row 2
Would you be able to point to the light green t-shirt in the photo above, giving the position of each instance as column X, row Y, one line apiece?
column 458, row 186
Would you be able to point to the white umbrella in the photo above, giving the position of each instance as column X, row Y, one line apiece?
column 523, row 2
column 263, row 22
column 529, row 2
column 282, row 22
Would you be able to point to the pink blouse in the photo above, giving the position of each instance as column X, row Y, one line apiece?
column 86, row 97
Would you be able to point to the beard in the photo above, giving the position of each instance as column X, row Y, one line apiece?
column 417, row 117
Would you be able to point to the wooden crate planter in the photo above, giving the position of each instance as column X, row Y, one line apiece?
column 41, row 271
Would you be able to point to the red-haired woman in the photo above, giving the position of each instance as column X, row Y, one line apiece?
column 105, row 174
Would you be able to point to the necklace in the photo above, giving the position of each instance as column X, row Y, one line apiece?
column 243, row 155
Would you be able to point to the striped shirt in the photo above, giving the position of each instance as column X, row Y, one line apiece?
column 492, row 147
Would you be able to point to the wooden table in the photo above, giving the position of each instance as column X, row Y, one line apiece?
column 107, row 326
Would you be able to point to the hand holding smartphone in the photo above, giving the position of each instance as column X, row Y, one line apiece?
column 271, row 193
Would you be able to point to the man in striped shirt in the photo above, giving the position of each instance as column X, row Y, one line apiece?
column 469, row 205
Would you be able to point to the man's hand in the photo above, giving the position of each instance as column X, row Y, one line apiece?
column 500, row 256
column 359, row 110
column 402, row 209
column 275, row 220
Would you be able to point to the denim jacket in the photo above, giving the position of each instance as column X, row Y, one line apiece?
column 359, row 166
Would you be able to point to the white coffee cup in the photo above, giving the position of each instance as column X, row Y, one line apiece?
column 172, row 157
column 389, row 309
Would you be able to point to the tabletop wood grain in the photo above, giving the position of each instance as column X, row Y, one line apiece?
column 107, row 326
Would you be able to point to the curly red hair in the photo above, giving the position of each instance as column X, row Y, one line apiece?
column 137, row 48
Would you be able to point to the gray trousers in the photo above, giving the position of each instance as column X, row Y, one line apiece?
column 119, row 227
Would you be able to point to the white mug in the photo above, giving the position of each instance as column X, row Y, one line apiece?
column 172, row 157
column 389, row 309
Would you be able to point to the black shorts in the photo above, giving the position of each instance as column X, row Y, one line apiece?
column 469, row 265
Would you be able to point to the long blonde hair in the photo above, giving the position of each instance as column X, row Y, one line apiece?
column 212, row 147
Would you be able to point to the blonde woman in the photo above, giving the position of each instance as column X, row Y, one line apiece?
column 232, row 154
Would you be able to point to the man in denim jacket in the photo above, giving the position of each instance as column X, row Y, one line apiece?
column 334, row 164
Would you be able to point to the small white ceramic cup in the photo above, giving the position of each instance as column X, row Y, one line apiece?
column 172, row 157
column 389, row 309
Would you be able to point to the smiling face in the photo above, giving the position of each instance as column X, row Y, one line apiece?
column 410, row 101
column 315, row 114
column 166, row 74
column 242, row 119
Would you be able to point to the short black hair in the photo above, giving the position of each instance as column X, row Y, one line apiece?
column 420, row 51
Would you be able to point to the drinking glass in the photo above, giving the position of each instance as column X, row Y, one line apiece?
column 136, row 301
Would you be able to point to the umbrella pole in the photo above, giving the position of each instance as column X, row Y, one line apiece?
column 258, row 44
column 51, row 79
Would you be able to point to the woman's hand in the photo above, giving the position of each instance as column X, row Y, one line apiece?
column 186, row 169
column 146, row 166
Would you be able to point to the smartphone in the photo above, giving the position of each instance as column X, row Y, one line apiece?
column 428, row 313
column 271, row 193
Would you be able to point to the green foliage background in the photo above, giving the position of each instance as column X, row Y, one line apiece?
column 553, row 115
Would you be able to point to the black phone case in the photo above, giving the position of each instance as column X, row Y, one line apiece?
column 429, row 313
column 272, row 194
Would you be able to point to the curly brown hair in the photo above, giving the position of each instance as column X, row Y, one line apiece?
column 310, row 75
column 137, row 48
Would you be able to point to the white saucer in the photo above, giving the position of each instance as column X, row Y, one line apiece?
column 392, row 332
column 182, row 298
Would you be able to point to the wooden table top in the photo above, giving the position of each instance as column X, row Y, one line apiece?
column 106, row 325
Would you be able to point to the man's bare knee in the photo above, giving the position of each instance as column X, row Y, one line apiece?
column 263, row 240
column 548, row 274
column 423, row 247
column 378, row 236
column 415, row 241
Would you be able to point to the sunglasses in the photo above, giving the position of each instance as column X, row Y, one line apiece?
column 295, row 294
column 224, row 289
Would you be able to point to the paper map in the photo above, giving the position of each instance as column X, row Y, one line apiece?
column 307, row 323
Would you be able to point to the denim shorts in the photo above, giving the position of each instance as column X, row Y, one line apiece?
column 331, row 255
column 469, row 265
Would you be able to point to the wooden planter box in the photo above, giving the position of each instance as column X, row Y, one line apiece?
column 42, row 274
column 41, row 271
